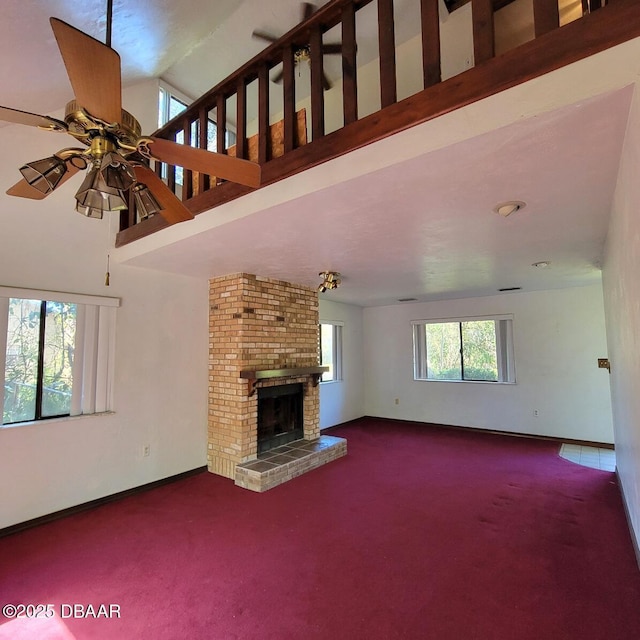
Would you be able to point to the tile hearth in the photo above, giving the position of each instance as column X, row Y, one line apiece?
column 283, row 463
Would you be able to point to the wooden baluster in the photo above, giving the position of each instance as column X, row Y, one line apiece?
column 317, row 84
column 187, row 175
column 203, row 119
column 221, row 125
column 289, row 97
column 387, row 46
column 241, row 118
column 349, row 69
column 483, row 30
column 546, row 16
column 264, row 135
column 171, row 170
column 431, row 70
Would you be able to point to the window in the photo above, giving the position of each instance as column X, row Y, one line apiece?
column 171, row 104
column 471, row 350
column 56, row 354
column 331, row 350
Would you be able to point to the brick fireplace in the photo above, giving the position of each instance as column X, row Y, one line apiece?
column 263, row 334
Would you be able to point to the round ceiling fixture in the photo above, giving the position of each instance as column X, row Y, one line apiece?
column 507, row 208
column 543, row 264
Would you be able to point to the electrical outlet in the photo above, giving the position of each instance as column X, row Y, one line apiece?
column 146, row 450
column 397, row 401
column 535, row 413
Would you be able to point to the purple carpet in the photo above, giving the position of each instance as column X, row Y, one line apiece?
column 420, row 533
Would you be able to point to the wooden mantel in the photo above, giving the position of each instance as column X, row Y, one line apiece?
column 252, row 377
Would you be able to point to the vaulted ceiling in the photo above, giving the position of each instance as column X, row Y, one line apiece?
column 411, row 216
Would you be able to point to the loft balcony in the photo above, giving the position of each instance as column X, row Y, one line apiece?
column 402, row 63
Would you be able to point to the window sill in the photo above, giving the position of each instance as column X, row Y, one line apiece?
column 31, row 423
column 323, row 382
column 490, row 382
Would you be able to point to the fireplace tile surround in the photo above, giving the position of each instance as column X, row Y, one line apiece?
column 258, row 323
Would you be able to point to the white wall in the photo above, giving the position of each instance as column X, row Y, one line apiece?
column 622, row 304
column 558, row 336
column 342, row 400
column 161, row 349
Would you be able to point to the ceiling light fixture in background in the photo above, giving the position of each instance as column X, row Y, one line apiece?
column 330, row 280
column 543, row 264
column 507, row 208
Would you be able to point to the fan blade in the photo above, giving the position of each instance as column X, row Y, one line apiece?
column 173, row 210
column 31, row 119
column 326, row 83
column 213, row 164
column 332, row 49
column 23, row 189
column 307, row 10
column 261, row 35
column 93, row 69
column 278, row 77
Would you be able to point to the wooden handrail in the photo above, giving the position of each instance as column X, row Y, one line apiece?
column 552, row 48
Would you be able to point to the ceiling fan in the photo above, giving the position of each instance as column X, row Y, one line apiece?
column 303, row 53
column 116, row 155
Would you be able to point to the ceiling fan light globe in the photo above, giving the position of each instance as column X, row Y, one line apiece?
column 96, row 194
column 146, row 204
column 44, row 175
column 117, row 173
column 90, row 212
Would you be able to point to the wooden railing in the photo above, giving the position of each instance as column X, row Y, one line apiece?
column 552, row 47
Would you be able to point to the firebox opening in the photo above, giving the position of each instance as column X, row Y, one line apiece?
column 279, row 415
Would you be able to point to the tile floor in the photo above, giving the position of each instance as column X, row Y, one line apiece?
column 594, row 457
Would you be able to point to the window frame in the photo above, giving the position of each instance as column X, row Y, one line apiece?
column 504, row 348
column 336, row 351
column 94, row 350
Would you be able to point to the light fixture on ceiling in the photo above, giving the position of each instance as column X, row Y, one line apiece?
column 330, row 280
column 505, row 209
column 543, row 264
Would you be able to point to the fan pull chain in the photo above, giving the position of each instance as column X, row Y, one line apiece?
column 107, row 275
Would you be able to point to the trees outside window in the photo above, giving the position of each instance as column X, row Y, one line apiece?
column 477, row 350
column 331, row 351
column 38, row 376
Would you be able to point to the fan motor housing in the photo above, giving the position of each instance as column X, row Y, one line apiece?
column 82, row 124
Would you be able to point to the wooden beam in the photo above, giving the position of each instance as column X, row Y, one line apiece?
column 221, row 125
column 203, row 119
column 187, row 174
column 431, row 70
column 317, row 84
column 387, row 49
column 241, row 119
column 483, row 30
column 349, row 68
column 264, row 138
column 546, row 16
column 289, row 98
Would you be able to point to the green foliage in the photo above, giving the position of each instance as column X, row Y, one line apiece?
column 465, row 350
column 22, row 359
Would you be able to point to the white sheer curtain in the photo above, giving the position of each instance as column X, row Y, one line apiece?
column 93, row 362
